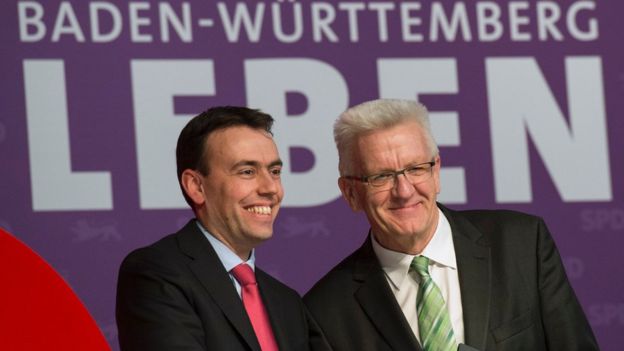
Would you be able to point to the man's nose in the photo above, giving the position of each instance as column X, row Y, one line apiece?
column 268, row 183
column 402, row 187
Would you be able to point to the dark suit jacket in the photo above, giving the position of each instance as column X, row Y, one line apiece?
column 514, row 291
column 176, row 295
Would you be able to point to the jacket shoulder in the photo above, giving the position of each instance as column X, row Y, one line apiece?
column 496, row 223
column 163, row 254
column 502, row 230
column 338, row 282
column 499, row 216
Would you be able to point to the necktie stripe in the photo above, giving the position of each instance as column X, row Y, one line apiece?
column 434, row 323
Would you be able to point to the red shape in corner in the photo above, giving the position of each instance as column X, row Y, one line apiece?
column 38, row 310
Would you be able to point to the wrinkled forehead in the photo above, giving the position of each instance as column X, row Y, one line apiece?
column 390, row 148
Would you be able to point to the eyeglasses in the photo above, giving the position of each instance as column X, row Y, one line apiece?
column 415, row 174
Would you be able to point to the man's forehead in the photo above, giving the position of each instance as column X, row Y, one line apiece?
column 242, row 144
column 403, row 142
column 239, row 128
column 238, row 135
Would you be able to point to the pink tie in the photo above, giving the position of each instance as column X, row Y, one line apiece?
column 255, row 309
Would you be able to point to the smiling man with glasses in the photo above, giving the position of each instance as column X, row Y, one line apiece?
column 427, row 277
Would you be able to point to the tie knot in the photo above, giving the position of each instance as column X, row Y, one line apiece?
column 244, row 274
column 421, row 265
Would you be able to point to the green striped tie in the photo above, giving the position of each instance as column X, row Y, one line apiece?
column 434, row 323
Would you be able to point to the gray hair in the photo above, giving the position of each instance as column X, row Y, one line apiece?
column 375, row 115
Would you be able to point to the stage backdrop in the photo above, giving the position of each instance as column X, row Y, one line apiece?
column 526, row 101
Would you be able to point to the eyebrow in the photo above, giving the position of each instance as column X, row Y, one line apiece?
column 388, row 170
column 257, row 164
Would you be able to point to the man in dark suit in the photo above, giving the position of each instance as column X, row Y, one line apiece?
column 429, row 278
column 195, row 289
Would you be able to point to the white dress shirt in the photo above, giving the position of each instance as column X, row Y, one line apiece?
column 443, row 271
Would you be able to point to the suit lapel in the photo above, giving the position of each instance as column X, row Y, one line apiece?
column 279, row 318
column 473, row 262
column 377, row 301
column 212, row 275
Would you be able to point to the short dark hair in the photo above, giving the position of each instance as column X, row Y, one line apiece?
column 191, row 148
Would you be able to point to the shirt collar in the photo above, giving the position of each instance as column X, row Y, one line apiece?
column 227, row 257
column 440, row 251
column 394, row 264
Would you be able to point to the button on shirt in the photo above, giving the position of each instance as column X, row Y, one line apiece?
column 443, row 271
column 227, row 257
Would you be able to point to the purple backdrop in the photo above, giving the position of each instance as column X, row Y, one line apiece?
column 525, row 96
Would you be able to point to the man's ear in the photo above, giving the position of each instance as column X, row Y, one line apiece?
column 191, row 182
column 347, row 188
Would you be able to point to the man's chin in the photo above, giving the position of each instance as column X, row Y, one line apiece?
column 408, row 231
column 262, row 235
